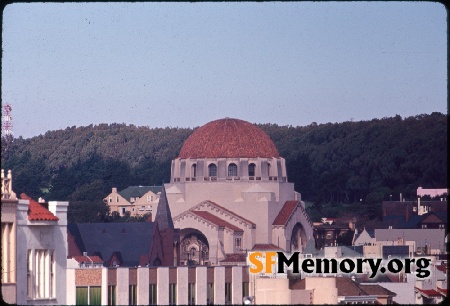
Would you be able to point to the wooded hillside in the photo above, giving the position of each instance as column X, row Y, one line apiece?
column 349, row 162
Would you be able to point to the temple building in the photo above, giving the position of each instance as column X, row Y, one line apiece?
column 229, row 191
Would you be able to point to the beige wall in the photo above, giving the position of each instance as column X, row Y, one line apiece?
column 325, row 291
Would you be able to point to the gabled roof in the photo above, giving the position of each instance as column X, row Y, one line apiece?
column 138, row 191
column 414, row 221
column 377, row 290
column 213, row 204
column 103, row 239
column 347, row 287
column 443, row 291
column 285, row 213
column 37, row 212
column 215, row 220
column 163, row 215
column 428, row 292
column 88, row 259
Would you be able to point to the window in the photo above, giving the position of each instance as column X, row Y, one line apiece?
column 172, row 294
column 40, row 274
column 88, row 295
column 110, row 199
column 212, row 169
column 424, row 226
column 191, row 294
column 210, row 294
column 228, row 293
column 8, row 261
column 245, row 289
column 268, row 169
column 251, row 169
column 238, row 243
column 152, row 294
column 95, row 295
column 29, row 271
column 117, row 198
column 194, row 170
column 132, row 298
column 111, row 295
column 82, row 296
column 232, row 170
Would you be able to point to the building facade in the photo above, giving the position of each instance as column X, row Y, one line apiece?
column 34, row 249
column 134, row 200
column 229, row 191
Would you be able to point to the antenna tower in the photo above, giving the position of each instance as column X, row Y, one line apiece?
column 7, row 121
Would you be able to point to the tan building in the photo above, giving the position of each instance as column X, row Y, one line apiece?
column 229, row 191
column 135, row 200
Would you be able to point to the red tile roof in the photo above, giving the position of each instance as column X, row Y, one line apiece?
column 88, row 259
column 347, row 287
column 37, row 212
column 442, row 291
column 228, row 138
column 228, row 211
column 377, row 290
column 235, row 257
column 266, row 247
column 285, row 213
column 216, row 220
column 428, row 292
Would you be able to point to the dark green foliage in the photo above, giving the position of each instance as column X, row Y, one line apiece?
column 352, row 163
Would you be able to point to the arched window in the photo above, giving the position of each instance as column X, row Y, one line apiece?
column 194, row 170
column 232, row 170
column 212, row 169
column 251, row 169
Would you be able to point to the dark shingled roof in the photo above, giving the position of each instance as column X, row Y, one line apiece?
column 130, row 239
column 163, row 215
column 138, row 191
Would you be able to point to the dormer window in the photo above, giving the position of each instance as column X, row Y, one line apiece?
column 232, row 169
column 194, row 170
column 212, row 169
column 251, row 169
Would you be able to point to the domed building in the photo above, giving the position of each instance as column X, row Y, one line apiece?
column 229, row 193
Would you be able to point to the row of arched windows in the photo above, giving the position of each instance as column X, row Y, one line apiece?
column 232, row 170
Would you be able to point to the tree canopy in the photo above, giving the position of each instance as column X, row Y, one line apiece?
column 360, row 163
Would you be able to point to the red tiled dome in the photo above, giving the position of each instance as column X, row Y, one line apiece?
column 228, row 138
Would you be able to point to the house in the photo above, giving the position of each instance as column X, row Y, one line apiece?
column 366, row 237
column 128, row 244
column 134, row 200
column 34, row 239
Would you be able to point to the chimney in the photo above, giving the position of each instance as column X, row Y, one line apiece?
column 401, row 198
column 114, row 190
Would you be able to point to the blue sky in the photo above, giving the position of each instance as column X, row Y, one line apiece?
column 185, row 64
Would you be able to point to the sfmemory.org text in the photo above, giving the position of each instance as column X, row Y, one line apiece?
column 261, row 262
